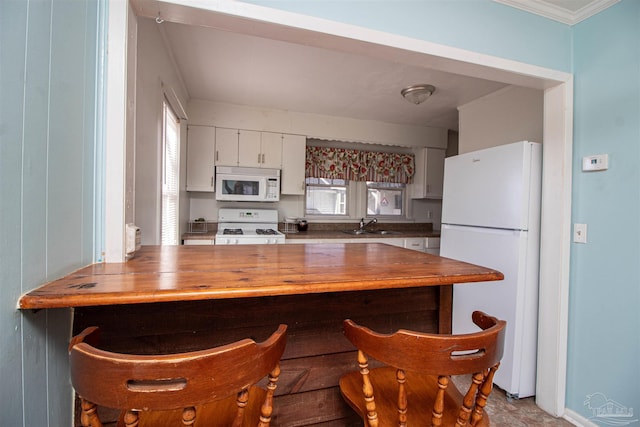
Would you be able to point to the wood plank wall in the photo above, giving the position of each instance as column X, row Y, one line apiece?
column 317, row 353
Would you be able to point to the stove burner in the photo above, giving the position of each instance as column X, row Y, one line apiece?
column 266, row 231
column 232, row 231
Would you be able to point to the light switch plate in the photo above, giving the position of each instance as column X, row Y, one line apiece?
column 580, row 233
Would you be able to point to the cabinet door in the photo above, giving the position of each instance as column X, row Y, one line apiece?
column 428, row 178
column 226, row 147
column 271, row 150
column 201, row 142
column 435, row 173
column 293, row 163
column 249, row 154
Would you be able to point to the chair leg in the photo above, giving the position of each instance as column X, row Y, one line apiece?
column 89, row 415
column 189, row 416
column 241, row 402
column 131, row 418
column 438, row 404
column 483, row 395
column 401, row 378
column 469, row 399
column 367, row 390
column 267, row 406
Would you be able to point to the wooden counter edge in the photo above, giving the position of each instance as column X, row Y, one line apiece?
column 33, row 301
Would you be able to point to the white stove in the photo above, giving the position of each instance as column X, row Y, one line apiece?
column 248, row 227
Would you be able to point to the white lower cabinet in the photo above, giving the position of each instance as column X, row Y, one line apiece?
column 420, row 244
column 393, row 241
column 432, row 245
column 199, row 242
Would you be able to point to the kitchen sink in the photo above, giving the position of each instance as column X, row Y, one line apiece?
column 355, row 231
column 358, row 232
column 384, row 232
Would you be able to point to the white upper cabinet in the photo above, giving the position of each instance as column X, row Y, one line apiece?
column 248, row 148
column 293, row 163
column 270, row 151
column 226, row 147
column 201, row 141
column 249, row 152
column 428, row 179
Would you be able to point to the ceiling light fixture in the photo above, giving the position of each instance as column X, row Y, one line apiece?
column 417, row 94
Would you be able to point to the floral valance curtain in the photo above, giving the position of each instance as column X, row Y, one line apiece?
column 359, row 165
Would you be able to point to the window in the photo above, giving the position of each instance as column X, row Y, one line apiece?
column 326, row 196
column 385, row 199
column 170, row 174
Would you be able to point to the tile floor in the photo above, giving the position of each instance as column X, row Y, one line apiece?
column 518, row 412
column 515, row 412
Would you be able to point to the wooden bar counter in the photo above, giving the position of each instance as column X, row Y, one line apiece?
column 180, row 298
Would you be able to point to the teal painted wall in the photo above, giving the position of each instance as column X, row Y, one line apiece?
column 604, row 329
column 477, row 25
column 48, row 57
column 604, row 54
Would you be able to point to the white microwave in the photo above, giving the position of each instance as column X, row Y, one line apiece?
column 247, row 184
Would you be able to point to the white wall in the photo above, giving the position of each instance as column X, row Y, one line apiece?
column 156, row 77
column 508, row 115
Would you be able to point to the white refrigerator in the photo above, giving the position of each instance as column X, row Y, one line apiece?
column 491, row 217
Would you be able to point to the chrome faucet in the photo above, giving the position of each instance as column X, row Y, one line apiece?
column 363, row 225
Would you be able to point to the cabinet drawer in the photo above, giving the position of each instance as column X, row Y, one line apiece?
column 199, row 241
column 415, row 243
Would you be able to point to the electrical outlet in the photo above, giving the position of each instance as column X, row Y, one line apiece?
column 580, row 233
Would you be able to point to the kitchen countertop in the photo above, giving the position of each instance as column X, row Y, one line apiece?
column 322, row 234
column 336, row 231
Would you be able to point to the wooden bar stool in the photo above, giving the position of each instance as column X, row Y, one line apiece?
column 413, row 387
column 213, row 387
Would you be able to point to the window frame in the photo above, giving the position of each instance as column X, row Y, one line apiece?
column 386, row 186
column 356, row 207
column 348, row 196
column 170, row 233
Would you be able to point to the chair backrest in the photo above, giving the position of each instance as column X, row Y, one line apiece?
column 174, row 381
column 441, row 356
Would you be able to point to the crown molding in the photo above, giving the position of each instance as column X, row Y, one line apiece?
column 557, row 13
